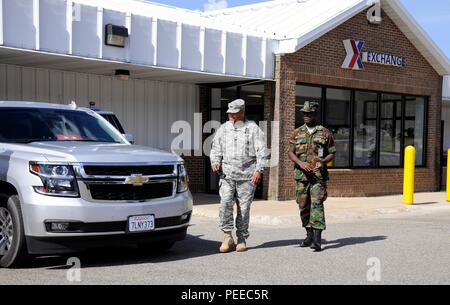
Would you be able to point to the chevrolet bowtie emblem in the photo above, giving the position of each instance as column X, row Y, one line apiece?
column 137, row 180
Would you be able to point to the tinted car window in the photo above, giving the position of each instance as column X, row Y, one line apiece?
column 22, row 125
column 112, row 119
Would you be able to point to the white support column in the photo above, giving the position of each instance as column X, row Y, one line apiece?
column 100, row 30
column 36, row 23
column 224, row 51
column 179, row 40
column 202, row 47
column 155, row 40
column 244, row 52
column 70, row 15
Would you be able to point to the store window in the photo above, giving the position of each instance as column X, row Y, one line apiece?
column 303, row 94
column 337, row 120
column 365, row 129
column 391, row 135
column 371, row 129
column 415, row 126
column 220, row 97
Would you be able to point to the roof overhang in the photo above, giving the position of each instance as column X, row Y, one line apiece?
column 294, row 44
column 417, row 35
column 39, row 59
column 70, row 35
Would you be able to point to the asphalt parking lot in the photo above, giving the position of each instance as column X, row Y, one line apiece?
column 410, row 249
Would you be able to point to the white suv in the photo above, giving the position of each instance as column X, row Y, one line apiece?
column 69, row 181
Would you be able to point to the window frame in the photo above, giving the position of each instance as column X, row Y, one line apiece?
column 378, row 124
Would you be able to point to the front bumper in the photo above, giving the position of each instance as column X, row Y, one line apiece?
column 62, row 245
column 98, row 221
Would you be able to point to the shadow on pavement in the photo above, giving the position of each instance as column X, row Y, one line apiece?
column 277, row 244
column 425, row 203
column 350, row 241
column 122, row 255
column 327, row 245
column 193, row 247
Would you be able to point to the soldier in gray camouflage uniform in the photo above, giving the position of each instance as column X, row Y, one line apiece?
column 238, row 154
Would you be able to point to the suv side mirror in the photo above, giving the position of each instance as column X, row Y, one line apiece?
column 129, row 137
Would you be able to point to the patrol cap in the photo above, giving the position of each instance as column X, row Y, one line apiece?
column 309, row 107
column 236, row 106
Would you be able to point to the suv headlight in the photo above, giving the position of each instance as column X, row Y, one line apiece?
column 58, row 180
column 183, row 180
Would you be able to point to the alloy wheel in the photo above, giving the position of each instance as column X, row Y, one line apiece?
column 6, row 231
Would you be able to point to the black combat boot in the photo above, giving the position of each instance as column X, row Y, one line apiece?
column 309, row 238
column 317, row 241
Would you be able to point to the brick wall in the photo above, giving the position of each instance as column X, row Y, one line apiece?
column 320, row 63
column 195, row 165
column 268, row 117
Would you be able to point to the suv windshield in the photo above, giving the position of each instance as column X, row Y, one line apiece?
column 23, row 125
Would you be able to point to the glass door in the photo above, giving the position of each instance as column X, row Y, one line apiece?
column 220, row 98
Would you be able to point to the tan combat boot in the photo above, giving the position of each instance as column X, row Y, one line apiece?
column 241, row 246
column 228, row 244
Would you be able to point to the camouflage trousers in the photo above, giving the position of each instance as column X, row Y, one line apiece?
column 241, row 193
column 310, row 199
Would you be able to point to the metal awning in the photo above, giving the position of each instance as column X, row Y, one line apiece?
column 36, row 59
column 162, row 44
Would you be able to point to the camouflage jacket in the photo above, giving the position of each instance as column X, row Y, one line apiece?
column 311, row 148
column 240, row 150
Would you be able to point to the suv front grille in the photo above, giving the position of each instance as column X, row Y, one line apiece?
column 127, row 192
column 147, row 170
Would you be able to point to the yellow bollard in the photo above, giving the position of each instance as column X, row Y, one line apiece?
column 448, row 176
column 408, row 182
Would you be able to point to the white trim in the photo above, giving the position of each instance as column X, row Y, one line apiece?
column 179, row 43
column 69, row 23
column 202, row 47
column 36, row 8
column 264, row 56
column 223, row 51
column 155, row 40
column 295, row 44
column 130, row 33
column 100, row 32
column 428, row 47
column 99, row 60
column 1, row 22
column 244, row 52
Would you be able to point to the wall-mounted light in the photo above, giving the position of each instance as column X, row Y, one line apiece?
column 122, row 74
column 116, row 36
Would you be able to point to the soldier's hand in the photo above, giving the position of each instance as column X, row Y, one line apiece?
column 306, row 167
column 256, row 179
column 318, row 166
column 215, row 168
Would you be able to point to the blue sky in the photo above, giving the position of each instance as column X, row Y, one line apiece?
column 432, row 15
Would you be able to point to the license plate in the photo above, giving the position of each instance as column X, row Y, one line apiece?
column 142, row 223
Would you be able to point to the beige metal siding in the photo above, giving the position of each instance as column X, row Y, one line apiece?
column 147, row 109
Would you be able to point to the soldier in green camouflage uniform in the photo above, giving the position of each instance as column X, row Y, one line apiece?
column 311, row 149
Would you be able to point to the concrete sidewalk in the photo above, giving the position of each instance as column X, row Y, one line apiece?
column 277, row 213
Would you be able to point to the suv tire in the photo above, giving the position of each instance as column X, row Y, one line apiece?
column 13, row 249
